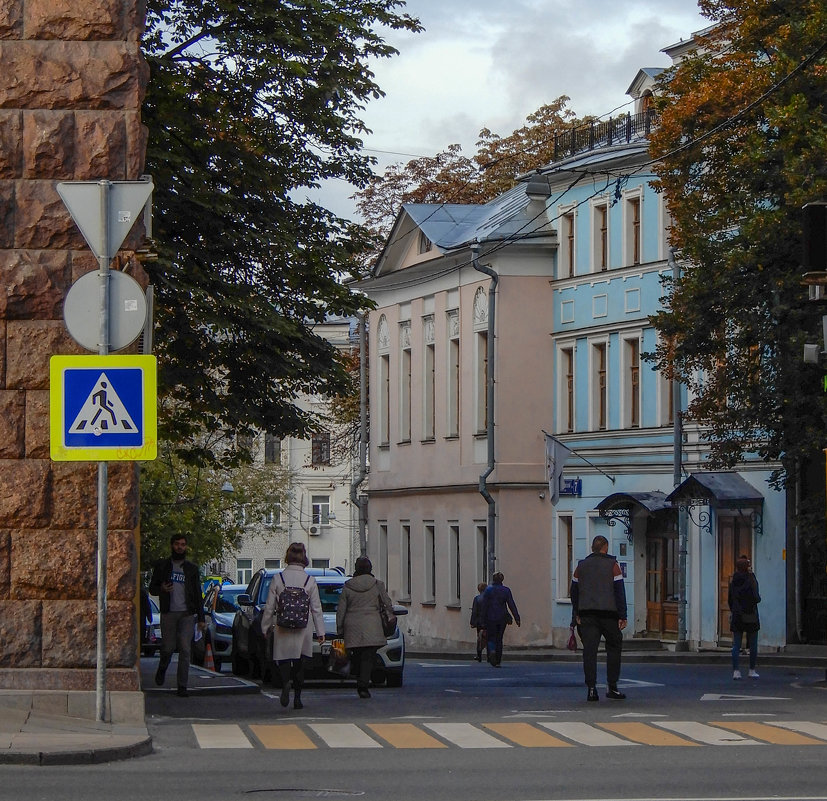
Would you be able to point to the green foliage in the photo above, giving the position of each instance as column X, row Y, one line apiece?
column 736, row 173
column 178, row 497
column 248, row 104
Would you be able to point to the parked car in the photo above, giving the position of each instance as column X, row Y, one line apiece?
column 220, row 607
column 250, row 646
column 151, row 643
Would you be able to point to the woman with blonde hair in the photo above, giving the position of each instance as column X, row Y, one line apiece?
column 291, row 646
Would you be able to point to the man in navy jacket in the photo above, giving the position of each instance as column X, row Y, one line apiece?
column 598, row 608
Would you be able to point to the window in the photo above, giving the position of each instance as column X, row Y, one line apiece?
column 599, row 387
column 425, row 244
column 384, row 399
column 320, row 449
column 382, row 560
column 272, row 564
column 320, row 563
column 482, row 381
column 566, row 390
column 243, row 514
column 632, row 389
column 601, row 237
column 567, row 262
column 321, row 510
column 453, row 375
column 243, row 571
column 482, row 553
column 272, row 449
column 565, row 555
column 272, row 515
column 429, row 393
column 455, row 577
column 430, row 563
column 633, row 241
column 405, row 387
column 406, row 561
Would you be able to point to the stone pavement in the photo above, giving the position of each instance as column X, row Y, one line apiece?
column 59, row 728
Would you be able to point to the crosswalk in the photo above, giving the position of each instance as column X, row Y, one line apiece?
column 540, row 734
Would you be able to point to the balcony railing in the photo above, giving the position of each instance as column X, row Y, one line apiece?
column 617, row 131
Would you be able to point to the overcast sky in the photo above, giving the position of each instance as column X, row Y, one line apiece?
column 490, row 63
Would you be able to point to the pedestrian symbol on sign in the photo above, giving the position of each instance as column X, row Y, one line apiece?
column 103, row 412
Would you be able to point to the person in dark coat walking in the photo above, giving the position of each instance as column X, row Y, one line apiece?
column 743, row 599
column 476, row 620
column 177, row 584
column 359, row 622
column 598, row 609
column 497, row 600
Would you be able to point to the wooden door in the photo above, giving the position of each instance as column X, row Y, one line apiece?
column 662, row 586
column 734, row 539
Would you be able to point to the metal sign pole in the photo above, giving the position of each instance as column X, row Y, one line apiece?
column 103, row 467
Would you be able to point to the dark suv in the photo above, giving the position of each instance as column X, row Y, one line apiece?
column 250, row 647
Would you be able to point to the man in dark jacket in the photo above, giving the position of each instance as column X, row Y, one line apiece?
column 497, row 600
column 177, row 584
column 598, row 608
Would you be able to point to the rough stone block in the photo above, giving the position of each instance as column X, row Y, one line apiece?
column 11, row 19
column 53, row 564
column 121, row 566
column 42, row 220
column 5, row 564
column 24, row 486
column 48, row 144
column 29, row 345
column 11, row 143
column 83, row 261
column 20, row 633
column 37, row 424
column 2, row 353
column 124, row 495
column 68, row 19
column 100, row 146
column 12, row 423
column 36, row 284
column 137, row 135
column 7, row 209
column 61, row 75
column 74, row 495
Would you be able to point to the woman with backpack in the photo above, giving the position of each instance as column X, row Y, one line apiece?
column 358, row 620
column 743, row 606
column 292, row 600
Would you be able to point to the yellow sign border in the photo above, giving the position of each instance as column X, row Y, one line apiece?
column 149, row 425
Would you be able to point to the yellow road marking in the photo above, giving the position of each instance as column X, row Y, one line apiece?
column 527, row 735
column 405, row 735
column 285, row 736
column 646, row 734
column 772, row 734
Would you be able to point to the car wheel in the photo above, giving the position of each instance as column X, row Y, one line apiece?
column 394, row 679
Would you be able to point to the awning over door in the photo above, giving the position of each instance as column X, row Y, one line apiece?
column 726, row 490
column 621, row 506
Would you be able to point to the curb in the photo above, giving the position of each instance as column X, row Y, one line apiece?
column 90, row 756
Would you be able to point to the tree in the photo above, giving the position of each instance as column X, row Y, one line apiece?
column 740, row 149
column 247, row 105
column 451, row 177
column 211, row 507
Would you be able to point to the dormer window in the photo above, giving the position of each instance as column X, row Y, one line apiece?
column 425, row 244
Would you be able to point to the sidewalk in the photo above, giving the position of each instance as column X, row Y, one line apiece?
column 34, row 732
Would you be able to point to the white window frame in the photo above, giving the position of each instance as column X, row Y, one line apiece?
column 594, row 387
column 454, row 563
column 243, row 570
column 429, row 588
column 405, row 380
column 597, row 207
column 566, row 357
column 481, row 551
column 320, row 510
column 565, row 554
column 428, row 380
column 382, row 555
column 405, row 560
column 567, row 262
column 454, row 357
column 628, row 341
column 631, row 199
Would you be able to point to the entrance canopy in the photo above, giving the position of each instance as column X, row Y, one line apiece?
column 621, row 506
column 720, row 490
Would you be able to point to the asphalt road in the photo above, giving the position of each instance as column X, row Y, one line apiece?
column 462, row 731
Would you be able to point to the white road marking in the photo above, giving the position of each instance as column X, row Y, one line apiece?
column 710, row 735
column 585, row 734
column 225, row 735
column 344, row 735
column 465, row 735
column 818, row 730
column 733, row 697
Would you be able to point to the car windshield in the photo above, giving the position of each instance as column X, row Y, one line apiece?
column 227, row 600
column 328, row 593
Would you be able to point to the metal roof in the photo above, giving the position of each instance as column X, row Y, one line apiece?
column 724, row 490
column 650, row 502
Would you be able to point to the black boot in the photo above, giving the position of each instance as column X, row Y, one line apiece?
column 284, row 672
column 297, row 697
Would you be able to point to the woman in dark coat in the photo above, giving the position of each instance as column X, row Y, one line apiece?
column 358, row 620
column 476, row 620
column 496, row 603
column 743, row 605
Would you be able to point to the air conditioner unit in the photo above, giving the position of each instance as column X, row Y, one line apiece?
column 314, row 530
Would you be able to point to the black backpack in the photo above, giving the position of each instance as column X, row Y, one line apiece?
column 293, row 607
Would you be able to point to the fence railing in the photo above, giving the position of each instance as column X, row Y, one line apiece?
column 602, row 134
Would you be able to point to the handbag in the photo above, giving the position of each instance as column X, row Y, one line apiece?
column 572, row 643
column 338, row 662
column 388, row 621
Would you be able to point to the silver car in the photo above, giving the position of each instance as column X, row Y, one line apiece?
column 220, row 607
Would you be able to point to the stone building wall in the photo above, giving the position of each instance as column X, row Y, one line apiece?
column 71, row 85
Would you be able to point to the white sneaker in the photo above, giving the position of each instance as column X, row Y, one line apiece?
column 753, row 674
column 736, row 674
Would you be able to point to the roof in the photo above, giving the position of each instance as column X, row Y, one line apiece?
column 650, row 502
column 724, row 490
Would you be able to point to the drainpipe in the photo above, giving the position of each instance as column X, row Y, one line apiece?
column 682, row 643
column 489, row 417
column 361, row 503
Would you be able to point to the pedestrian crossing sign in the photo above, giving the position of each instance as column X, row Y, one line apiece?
column 103, row 408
